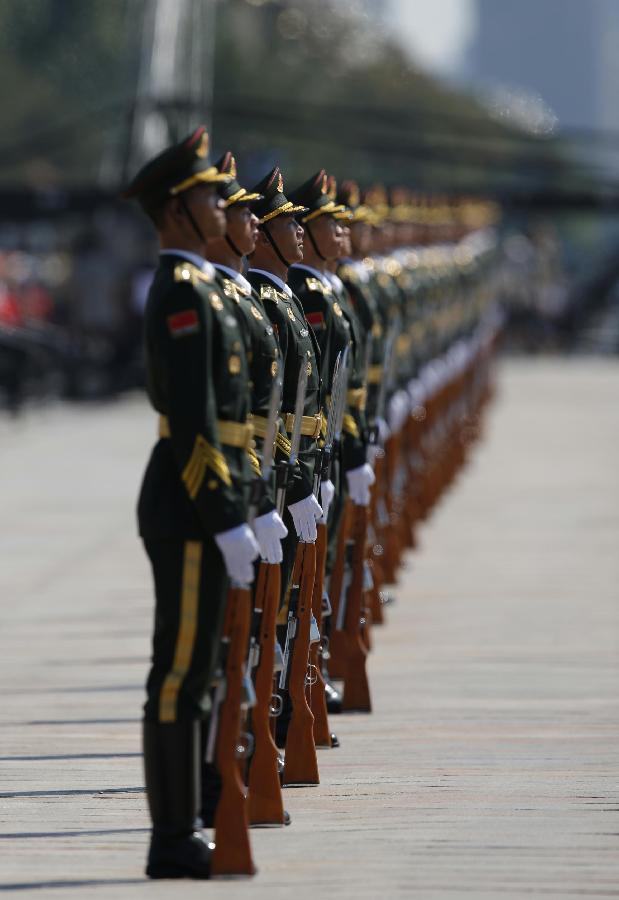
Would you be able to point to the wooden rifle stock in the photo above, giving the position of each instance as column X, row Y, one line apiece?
column 232, row 854
column 300, row 763
column 316, row 692
column 376, row 551
column 265, row 794
column 337, row 640
column 390, row 541
column 356, row 696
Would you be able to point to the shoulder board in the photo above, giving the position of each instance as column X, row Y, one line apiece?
column 347, row 273
column 230, row 289
column 315, row 284
column 268, row 292
column 186, row 271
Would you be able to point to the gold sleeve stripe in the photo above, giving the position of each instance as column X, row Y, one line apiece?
column 254, row 461
column 350, row 426
column 187, row 629
column 283, row 443
column 204, row 456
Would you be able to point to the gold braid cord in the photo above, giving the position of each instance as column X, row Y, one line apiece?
column 204, row 457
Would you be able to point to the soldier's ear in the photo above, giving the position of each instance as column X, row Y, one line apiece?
column 175, row 209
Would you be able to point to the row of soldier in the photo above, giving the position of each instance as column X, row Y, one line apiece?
column 318, row 365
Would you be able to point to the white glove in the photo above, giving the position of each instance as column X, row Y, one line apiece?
column 327, row 493
column 304, row 514
column 269, row 530
column 239, row 549
column 359, row 482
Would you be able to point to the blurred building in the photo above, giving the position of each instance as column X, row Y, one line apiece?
column 563, row 50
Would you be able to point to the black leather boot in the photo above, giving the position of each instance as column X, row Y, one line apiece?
column 172, row 773
column 211, row 790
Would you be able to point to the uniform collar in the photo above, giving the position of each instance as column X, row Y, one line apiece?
column 335, row 280
column 275, row 279
column 235, row 276
column 321, row 276
column 198, row 261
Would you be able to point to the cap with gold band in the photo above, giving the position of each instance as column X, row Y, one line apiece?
column 377, row 200
column 273, row 201
column 343, row 211
column 314, row 194
column 231, row 191
column 350, row 196
column 176, row 169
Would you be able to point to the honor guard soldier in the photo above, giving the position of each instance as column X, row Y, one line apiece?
column 280, row 244
column 193, row 505
column 227, row 254
column 333, row 328
column 355, row 275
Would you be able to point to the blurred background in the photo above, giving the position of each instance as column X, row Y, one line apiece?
column 515, row 102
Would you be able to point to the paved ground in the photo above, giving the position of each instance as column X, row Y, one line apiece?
column 490, row 767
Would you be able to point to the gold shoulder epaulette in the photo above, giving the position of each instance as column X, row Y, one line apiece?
column 230, row 289
column 268, row 292
column 347, row 273
column 315, row 284
column 186, row 271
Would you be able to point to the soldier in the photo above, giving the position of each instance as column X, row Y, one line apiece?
column 280, row 244
column 193, row 506
column 334, row 329
column 227, row 254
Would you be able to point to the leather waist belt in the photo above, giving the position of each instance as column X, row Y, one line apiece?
column 310, row 425
column 260, row 425
column 231, row 434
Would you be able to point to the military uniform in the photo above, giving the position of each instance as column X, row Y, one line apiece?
column 298, row 347
column 194, row 488
column 331, row 320
column 262, row 345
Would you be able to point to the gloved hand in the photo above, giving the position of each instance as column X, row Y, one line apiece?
column 327, row 493
column 239, row 549
column 359, row 482
column 269, row 530
column 304, row 514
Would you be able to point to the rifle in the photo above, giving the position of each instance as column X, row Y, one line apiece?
column 353, row 576
column 234, row 693
column 300, row 764
column 265, row 796
column 384, row 467
column 316, row 689
column 339, row 573
column 232, row 854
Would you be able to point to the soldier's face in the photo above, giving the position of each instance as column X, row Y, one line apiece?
column 327, row 233
column 361, row 238
column 242, row 228
column 288, row 236
column 206, row 207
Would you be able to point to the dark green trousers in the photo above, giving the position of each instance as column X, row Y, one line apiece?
column 190, row 594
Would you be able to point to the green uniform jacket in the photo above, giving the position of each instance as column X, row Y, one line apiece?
column 197, row 373
column 333, row 333
column 298, row 346
column 263, row 357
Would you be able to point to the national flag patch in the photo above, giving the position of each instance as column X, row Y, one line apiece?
column 315, row 319
column 183, row 323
